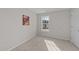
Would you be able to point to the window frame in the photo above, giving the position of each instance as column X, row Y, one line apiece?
column 43, row 18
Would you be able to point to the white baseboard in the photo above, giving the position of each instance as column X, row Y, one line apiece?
column 20, row 44
column 55, row 37
column 74, row 44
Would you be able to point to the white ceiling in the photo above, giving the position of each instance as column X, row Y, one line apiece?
column 45, row 10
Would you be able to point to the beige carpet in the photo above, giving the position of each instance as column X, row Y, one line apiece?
column 46, row 44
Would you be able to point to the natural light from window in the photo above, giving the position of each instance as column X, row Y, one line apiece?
column 51, row 45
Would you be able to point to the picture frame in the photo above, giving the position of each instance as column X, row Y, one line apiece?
column 25, row 20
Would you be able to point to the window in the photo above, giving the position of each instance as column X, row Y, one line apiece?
column 44, row 23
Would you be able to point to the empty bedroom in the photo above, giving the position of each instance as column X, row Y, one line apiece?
column 39, row 29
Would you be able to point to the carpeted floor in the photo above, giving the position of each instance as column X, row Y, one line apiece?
column 46, row 44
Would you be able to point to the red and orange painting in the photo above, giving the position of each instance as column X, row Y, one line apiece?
column 25, row 20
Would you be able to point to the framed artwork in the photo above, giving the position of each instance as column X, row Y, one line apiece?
column 25, row 20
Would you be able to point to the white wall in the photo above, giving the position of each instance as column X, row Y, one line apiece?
column 75, row 26
column 12, row 32
column 59, row 25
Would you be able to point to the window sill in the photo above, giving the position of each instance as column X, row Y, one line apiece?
column 45, row 30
